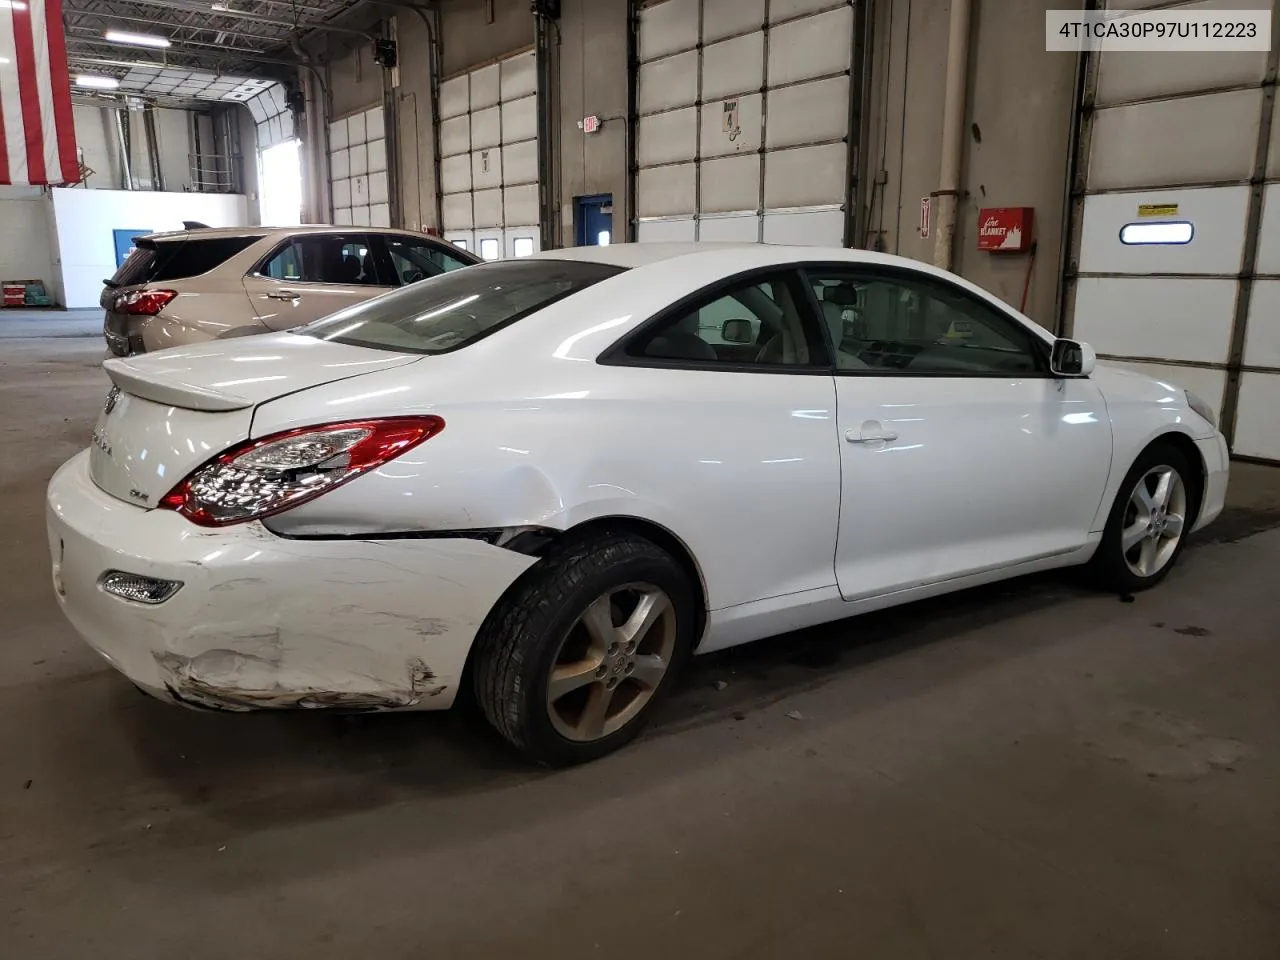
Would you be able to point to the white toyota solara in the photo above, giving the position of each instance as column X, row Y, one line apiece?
column 550, row 480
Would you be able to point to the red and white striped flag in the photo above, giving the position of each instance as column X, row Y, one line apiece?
column 37, row 133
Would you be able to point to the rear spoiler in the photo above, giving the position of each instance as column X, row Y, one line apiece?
column 170, row 391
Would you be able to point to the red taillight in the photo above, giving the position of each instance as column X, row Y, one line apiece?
column 144, row 303
column 259, row 478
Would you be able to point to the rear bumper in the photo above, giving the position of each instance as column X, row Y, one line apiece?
column 1213, row 450
column 265, row 622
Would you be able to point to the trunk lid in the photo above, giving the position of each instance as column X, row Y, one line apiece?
column 169, row 412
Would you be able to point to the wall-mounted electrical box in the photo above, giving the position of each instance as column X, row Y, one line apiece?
column 1006, row 229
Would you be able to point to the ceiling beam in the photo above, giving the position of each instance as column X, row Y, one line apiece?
column 180, row 46
column 301, row 25
column 272, row 38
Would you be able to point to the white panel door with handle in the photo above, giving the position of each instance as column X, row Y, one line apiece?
column 960, row 453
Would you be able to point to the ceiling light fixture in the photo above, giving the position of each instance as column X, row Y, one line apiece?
column 98, row 83
column 136, row 39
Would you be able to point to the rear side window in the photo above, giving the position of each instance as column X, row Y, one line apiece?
column 156, row 261
column 326, row 258
column 448, row 311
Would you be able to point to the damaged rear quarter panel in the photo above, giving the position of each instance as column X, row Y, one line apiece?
column 359, row 624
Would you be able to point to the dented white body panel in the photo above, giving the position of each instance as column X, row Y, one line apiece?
column 261, row 621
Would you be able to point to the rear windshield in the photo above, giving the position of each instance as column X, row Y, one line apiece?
column 453, row 309
column 155, row 261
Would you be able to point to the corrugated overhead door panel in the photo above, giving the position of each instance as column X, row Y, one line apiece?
column 735, row 131
column 668, row 83
column 808, row 113
column 668, row 27
column 666, row 191
column 733, row 66
column 486, row 169
column 811, row 47
column 787, row 9
column 1257, row 426
column 489, row 163
column 338, row 134
column 805, row 176
column 1186, row 140
column 520, row 120
column 519, row 76
column 1262, row 335
column 486, row 87
column 521, row 204
column 1132, row 75
column 801, row 60
column 488, row 208
column 486, row 128
column 1269, row 231
column 724, row 18
column 455, row 135
column 455, row 173
column 731, row 183
column 1217, row 219
column 1173, row 243
column 1160, row 318
column 667, row 137
column 455, row 97
column 520, row 163
column 457, row 211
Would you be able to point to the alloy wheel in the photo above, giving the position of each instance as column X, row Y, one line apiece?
column 1154, row 521
column 611, row 662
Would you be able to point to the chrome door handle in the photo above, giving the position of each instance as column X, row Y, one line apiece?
column 870, row 436
column 284, row 295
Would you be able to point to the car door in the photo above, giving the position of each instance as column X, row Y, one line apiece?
column 313, row 275
column 960, row 452
column 738, row 420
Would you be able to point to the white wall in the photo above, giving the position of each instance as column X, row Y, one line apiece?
column 26, row 244
column 85, row 220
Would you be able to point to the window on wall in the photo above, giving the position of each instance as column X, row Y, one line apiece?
column 522, row 246
column 325, row 259
column 490, row 249
column 914, row 326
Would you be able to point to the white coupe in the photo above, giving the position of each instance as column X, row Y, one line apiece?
column 550, row 480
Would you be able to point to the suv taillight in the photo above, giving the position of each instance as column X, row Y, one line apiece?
column 259, row 478
column 144, row 303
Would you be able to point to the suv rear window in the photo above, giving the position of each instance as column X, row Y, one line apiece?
column 449, row 311
column 155, row 261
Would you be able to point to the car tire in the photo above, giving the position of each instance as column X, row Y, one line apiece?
column 1140, row 543
column 567, row 623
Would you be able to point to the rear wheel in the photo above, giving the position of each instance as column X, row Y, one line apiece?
column 1149, row 521
column 571, row 663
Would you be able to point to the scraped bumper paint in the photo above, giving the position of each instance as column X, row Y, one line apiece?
column 265, row 622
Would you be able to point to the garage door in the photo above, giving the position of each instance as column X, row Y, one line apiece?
column 489, row 158
column 743, row 120
column 1178, row 270
column 358, row 169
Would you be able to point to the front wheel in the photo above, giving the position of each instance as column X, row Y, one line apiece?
column 1147, row 528
column 570, row 665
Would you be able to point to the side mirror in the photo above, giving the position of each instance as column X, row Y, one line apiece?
column 1070, row 358
column 736, row 331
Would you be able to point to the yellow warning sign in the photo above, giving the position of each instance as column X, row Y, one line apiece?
column 1157, row 209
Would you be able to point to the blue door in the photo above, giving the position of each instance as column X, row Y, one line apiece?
column 593, row 224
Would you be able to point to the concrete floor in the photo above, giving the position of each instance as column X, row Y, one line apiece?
column 1031, row 770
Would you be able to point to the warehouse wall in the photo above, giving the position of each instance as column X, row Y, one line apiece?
column 593, row 80
column 1018, row 117
column 26, row 243
column 470, row 39
column 99, row 147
